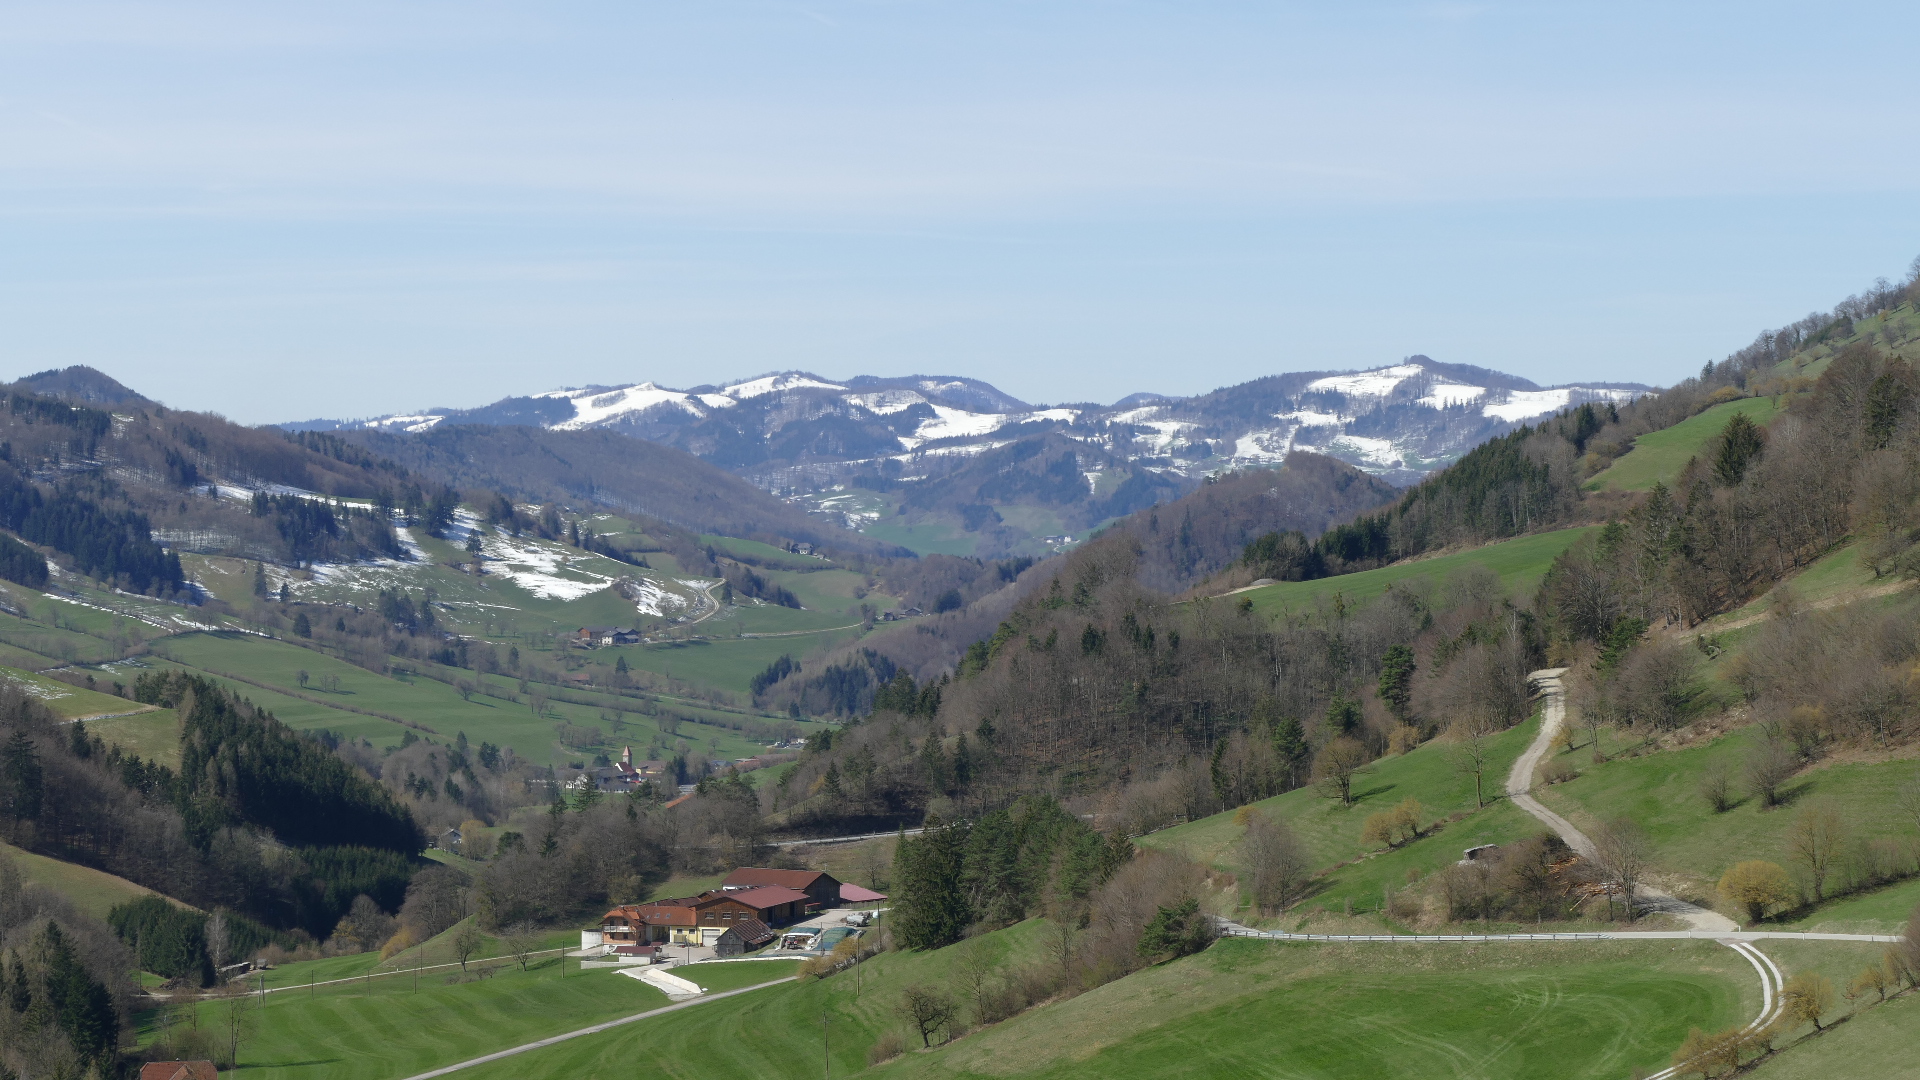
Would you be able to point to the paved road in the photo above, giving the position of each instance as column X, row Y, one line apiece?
column 846, row 839
column 1553, row 716
column 595, row 1029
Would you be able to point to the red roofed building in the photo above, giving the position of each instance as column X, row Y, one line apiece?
column 821, row 888
column 680, row 920
column 854, row 894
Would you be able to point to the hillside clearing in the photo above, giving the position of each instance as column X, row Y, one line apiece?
column 1332, row 831
column 1658, row 456
column 92, row 891
column 1520, row 563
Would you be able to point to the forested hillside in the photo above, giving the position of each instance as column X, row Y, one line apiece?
column 1167, row 547
column 1094, row 687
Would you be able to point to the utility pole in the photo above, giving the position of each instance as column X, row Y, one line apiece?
column 826, row 1048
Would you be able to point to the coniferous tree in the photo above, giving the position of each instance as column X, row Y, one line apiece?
column 1396, row 680
column 21, row 778
column 931, row 906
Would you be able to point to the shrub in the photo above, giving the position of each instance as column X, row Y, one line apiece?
column 1379, row 829
column 1756, row 885
column 1809, row 996
column 1716, row 786
column 1558, row 772
column 885, row 1048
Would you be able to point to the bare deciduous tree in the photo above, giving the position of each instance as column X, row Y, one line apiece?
column 1808, row 997
column 1623, row 854
column 219, row 941
column 1335, row 766
column 521, row 941
column 237, row 1023
column 975, row 961
column 1770, row 764
column 466, row 942
column 1816, row 839
column 929, row 1009
column 1471, row 742
column 1716, row 786
column 1276, row 862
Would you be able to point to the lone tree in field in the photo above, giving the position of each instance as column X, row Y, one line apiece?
column 237, row 1023
column 466, row 942
column 1276, row 862
column 1622, row 847
column 1335, row 765
column 1757, row 885
column 928, row 1008
column 1770, row 764
column 521, row 941
column 1472, row 740
column 1808, row 997
column 1816, row 840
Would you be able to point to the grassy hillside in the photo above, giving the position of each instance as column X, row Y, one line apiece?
column 1238, row 1009
column 1243, row 1006
column 268, row 672
column 1521, row 563
column 1661, row 791
column 1878, row 1042
column 153, row 734
column 1332, row 831
column 387, row 1028
column 90, row 890
column 67, row 702
column 1660, row 455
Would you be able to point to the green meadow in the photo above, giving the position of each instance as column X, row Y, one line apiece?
column 1360, row 872
column 1658, row 456
column 1520, row 563
column 1240, row 1008
column 90, row 890
column 1661, row 791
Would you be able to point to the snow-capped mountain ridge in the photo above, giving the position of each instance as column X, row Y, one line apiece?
column 793, row 430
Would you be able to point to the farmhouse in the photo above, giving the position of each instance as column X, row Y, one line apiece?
column 822, row 889
column 606, row 635
column 680, row 920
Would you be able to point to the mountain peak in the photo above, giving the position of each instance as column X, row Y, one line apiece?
column 82, row 384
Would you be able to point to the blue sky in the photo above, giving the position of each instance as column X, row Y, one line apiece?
column 285, row 211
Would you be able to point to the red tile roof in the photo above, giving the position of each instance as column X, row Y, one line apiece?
column 664, row 913
column 854, row 894
column 758, row 875
column 763, row 897
column 752, row 932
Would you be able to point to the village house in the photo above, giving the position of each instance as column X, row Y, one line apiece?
column 624, row 775
column 598, row 636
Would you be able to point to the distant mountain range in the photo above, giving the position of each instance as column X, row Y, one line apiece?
column 807, row 438
column 1397, row 422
